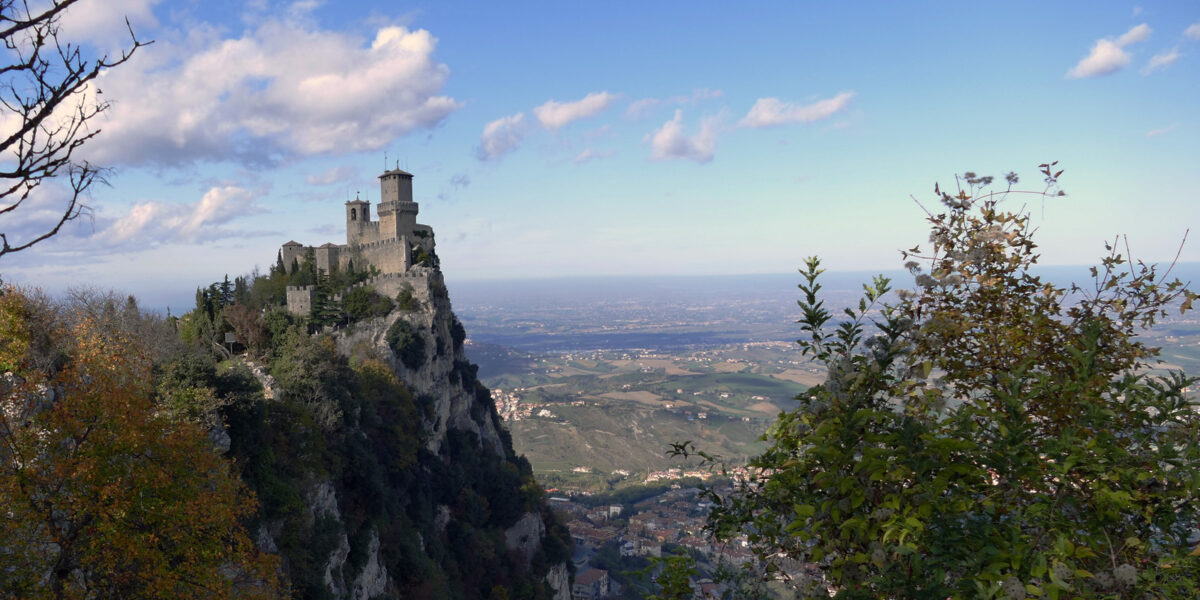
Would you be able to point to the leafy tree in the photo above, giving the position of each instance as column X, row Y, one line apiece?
column 105, row 496
column 985, row 435
column 248, row 327
column 363, row 303
column 675, row 573
column 407, row 343
column 44, row 80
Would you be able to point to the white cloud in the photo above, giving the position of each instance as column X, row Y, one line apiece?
column 670, row 141
column 1108, row 55
column 554, row 115
column 1193, row 31
column 501, row 137
column 283, row 89
column 590, row 154
column 640, row 108
column 332, row 175
column 1161, row 60
column 1161, row 130
column 1139, row 33
column 103, row 23
column 151, row 223
column 767, row 112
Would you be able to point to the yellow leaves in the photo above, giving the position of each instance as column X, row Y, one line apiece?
column 14, row 332
column 149, row 510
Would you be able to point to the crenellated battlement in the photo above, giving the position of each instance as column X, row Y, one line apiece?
column 387, row 244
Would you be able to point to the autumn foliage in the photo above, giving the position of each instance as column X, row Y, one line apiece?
column 102, row 494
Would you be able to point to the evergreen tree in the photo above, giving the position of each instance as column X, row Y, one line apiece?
column 226, row 292
column 325, row 309
column 241, row 290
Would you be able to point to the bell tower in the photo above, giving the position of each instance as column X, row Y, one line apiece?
column 358, row 215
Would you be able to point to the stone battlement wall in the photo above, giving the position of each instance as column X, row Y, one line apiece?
column 300, row 299
column 418, row 279
column 386, row 244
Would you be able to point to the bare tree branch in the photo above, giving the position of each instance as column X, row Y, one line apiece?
column 44, row 85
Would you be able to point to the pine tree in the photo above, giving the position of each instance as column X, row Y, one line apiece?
column 226, row 292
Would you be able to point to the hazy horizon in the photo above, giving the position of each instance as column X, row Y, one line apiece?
column 622, row 138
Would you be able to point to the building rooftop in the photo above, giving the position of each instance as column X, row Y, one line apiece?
column 396, row 172
column 590, row 576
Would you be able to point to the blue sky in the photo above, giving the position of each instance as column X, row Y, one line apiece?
column 552, row 139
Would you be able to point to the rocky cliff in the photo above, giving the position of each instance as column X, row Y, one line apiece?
column 383, row 470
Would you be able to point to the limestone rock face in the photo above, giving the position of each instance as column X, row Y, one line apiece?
column 526, row 536
column 444, row 384
column 373, row 580
column 441, row 375
column 560, row 581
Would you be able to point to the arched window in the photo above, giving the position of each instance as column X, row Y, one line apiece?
column 353, row 214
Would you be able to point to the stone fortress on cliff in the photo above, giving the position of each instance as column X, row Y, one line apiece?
column 389, row 245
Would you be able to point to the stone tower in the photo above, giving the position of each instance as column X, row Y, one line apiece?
column 358, row 221
column 397, row 211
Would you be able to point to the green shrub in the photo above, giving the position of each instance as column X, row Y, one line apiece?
column 407, row 343
column 406, row 301
column 458, row 333
column 364, row 303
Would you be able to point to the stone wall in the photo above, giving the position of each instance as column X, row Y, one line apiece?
column 360, row 232
column 389, row 256
column 300, row 299
column 290, row 253
column 417, row 279
column 328, row 257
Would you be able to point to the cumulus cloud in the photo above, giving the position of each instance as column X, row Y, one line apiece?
column 283, row 89
column 554, row 115
column 501, row 137
column 1193, row 31
column 670, row 140
column 1108, row 55
column 1161, row 60
column 151, row 223
column 332, row 175
column 103, row 23
column 768, row 112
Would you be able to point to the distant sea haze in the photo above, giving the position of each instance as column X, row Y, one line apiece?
column 568, row 314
